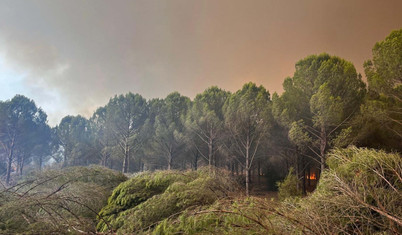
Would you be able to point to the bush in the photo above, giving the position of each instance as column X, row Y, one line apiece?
column 360, row 193
column 239, row 216
column 57, row 201
column 289, row 186
column 141, row 203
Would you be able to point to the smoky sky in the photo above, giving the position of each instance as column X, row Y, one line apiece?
column 72, row 56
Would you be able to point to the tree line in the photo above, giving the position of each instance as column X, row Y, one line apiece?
column 324, row 105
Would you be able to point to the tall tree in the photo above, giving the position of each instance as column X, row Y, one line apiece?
column 43, row 150
column 206, row 121
column 36, row 142
column 381, row 120
column 319, row 100
column 74, row 136
column 103, row 138
column 126, row 115
column 248, row 120
column 20, row 120
column 169, row 128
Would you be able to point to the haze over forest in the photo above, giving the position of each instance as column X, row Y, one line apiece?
column 71, row 58
column 200, row 117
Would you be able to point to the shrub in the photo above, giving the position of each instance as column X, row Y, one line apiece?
column 57, row 201
column 289, row 186
column 227, row 216
column 360, row 193
column 141, row 203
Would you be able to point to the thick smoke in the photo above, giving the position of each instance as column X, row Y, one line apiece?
column 75, row 55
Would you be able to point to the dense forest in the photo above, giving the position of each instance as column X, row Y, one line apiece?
column 321, row 128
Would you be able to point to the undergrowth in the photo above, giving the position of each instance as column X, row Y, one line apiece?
column 139, row 204
column 57, row 201
column 360, row 193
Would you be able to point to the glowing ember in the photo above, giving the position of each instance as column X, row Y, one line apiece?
column 311, row 177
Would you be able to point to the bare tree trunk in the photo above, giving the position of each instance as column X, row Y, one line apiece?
column 19, row 157
column 196, row 160
column 9, row 160
column 323, row 146
column 21, row 166
column 210, row 152
column 170, row 160
column 65, row 158
column 128, row 160
column 259, row 171
column 104, row 159
column 247, row 167
column 304, row 177
column 297, row 171
column 125, row 161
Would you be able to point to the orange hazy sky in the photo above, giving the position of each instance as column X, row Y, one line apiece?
column 72, row 56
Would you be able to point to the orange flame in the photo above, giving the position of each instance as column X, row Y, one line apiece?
column 311, row 177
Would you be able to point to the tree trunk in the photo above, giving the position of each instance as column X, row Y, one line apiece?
column 19, row 157
column 170, row 160
column 125, row 161
column 297, row 170
column 304, row 176
column 196, row 160
column 247, row 167
column 104, row 159
column 21, row 166
column 323, row 146
column 9, row 160
column 124, row 168
column 65, row 157
column 210, row 152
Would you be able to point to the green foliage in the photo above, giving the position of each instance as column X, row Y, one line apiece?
column 324, row 93
column 168, row 139
column 289, row 186
column 205, row 122
column 223, row 217
column 23, row 129
column 380, row 122
column 57, row 201
column 299, row 136
column 125, row 116
column 248, row 121
column 142, row 202
column 384, row 71
column 74, row 134
column 358, row 194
